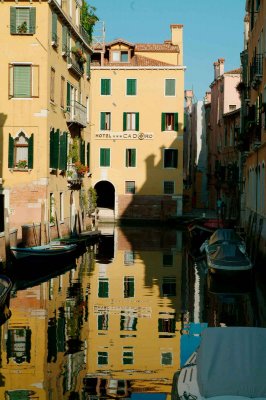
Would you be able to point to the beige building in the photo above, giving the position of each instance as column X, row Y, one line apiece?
column 137, row 126
column 45, row 81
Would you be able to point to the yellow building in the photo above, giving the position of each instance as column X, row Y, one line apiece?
column 137, row 126
column 45, row 82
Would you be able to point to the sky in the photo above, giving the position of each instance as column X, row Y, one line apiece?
column 212, row 29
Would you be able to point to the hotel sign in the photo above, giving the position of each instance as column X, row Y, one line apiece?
column 124, row 135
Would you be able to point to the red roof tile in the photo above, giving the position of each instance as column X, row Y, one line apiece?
column 138, row 60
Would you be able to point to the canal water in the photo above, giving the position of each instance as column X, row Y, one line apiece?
column 120, row 321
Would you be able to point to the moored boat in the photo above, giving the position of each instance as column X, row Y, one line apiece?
column 5, row 287
column 223, row 235
column 227, row 257
column 45, row 252
column 229, row 362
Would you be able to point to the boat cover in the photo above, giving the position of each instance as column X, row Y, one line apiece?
column 231, row 362
column 224, row 235
column 229, row 254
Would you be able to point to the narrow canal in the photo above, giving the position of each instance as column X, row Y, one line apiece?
column 112, row 324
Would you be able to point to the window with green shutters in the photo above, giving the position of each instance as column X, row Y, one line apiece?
column 167, row 358
column 102, row 358
column 103, row 288
column 131, row 87
column 170, row 122
column 23, row 80
column 166, row 325
column 68, row 99
column 130, row 121
column 22, row 20
column 63, row 146
column 65, row 40
column 130, row 157
column 169, row 286
column 128, row 357
column 20, row 152
column 82, row 155
column 129, row 286
column 102, row 322
column 105, row 87
column 54, row 30
column 128, row 322
column 88, row 66
column 169, row 89
column 170, row 158
column 54, row 148
column 88, row 155
column 104, row 157
column 105, row 121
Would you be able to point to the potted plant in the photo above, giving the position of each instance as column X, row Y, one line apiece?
column 23, row 27
column 22, row 164
column 81, row 169
column 80, row 56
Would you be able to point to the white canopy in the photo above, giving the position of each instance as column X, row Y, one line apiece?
column 232, row 362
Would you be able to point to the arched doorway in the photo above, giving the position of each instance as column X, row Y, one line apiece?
column 105, row 194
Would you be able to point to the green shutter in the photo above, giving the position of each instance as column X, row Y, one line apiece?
column 32, row 26
column 88, row 66
column 103, row 289
column 131, row 87
column 22, row 81
column 10, row 152
column 56, row 148
column 13, row 28
column 30, row 152
column 68, row 96
column 163, row 122
column 124, row 121
column 108, row 86
column 88, row 154
column 170, row 87
column 105, row 157
column 100, row 322
column 51, row 148
column 63, row 152
column 105, row 86
column 127, row 157
column 133, row 160
column 54, row 27
column 137, row 121
column 102, row 126
column 176, row 122
column 82, row 152
column 102, row 86
column 64, row 38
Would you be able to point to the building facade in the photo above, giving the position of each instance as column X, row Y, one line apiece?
column 137, row 127
column 45, row 80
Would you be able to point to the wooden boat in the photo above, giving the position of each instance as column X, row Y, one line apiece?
column 5, row 287
column 227, row 257
column 79, row 239
column 229, row 362
column 45, row 252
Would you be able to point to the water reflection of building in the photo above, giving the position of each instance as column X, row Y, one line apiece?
column 44, row 343
column 134, row 315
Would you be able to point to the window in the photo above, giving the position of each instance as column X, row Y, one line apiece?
column 105, row 121
column 105, row 87
column 128, row 322
column 232, row 107
column 130, row 157
column 166, row 325
column 168, row 187
column 102, row 322
column 61, row 204
column 129, row 257
column 52, row 84
column 58, row 149
column 170, row 122
column 169, row 286
column 166, row 358
column 168, row 260
column 23, row 80
column 52, row 207
column 130, row 187
column 169, row 87
column 62, row 92
column 120, row 56
column 128, row 356
column 20, row 152
column 104, row 157
column 65, row 40
column 130, row 121
column 22, row 20
column 54, row 29
column 129, row 286
column 102, row 358
column 103, row 288
column 19, row 345
column 131, row 87
column 170, row 158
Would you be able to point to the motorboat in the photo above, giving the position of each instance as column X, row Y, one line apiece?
column 223, row 236
column 228, row 257
column 45, row 252
column 228, row 364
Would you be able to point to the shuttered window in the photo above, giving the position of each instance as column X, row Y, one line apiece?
column 88, row 66
column 131, row 87
column 170, row 122
column 105, row 87
column 82, row 152
column 20, row 152
column 104, row 157
column 23, row 80
column 129, row 286
column 105, row 121
column 65, row 40
column 54, row 148
column 22, row 20
column 103, row 288
column 170, row 158
column 88, row 154
column 63, row 152
column 130, row 157
column 54, row 29
column 169, row 87
column 130, row 121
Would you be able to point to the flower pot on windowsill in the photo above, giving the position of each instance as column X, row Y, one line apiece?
column 23, row 28
column 22, row 164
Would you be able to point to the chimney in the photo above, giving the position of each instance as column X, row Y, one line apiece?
column 216, row 67
column 177, row 40
column 221, row 66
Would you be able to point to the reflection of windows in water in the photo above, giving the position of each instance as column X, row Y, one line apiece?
column 166, row 325
column 103, row 287
column 167, row 358
column 128, row 257
column 128, row 323
column 102, row 358
column 19, row 345
column 129, row 286
column 168, row 260
column 128, row 356
column 169, row 286
column 103, row 322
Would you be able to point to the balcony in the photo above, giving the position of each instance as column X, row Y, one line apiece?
column 256, row 70
column 74, row 66
column 77, row 113
column 84, row 35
